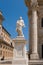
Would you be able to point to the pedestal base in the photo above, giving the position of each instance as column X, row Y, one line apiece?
column 20, row 57
column 20, row 61
column 34, row 56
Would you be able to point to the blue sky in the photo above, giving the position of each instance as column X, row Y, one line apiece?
column 12, row 10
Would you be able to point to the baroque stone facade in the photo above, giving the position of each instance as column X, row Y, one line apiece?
column 35, row 14
column 6, row 43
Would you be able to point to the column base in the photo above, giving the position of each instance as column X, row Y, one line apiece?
column 34, row 56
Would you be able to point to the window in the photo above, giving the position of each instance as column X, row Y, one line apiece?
column 0, row 52
column 42, row 22
column 0, row 46
column 3, row 47
column 11, row 43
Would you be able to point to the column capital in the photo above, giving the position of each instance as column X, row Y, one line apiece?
column 34, row 6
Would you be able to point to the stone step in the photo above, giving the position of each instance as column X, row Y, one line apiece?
column 19, row 62
column 16, row 61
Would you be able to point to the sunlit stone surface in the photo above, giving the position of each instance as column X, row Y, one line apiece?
column 35, row 14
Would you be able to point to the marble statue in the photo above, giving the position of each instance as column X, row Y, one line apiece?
column 20, row 25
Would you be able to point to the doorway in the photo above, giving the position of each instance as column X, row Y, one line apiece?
column 42, row 51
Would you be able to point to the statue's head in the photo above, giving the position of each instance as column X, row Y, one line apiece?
column 20, row 18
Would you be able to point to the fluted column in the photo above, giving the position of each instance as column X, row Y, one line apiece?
column 33, row 8
column 34, row 34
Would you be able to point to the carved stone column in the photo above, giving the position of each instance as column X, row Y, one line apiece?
column 34, row 33
column 33, row 9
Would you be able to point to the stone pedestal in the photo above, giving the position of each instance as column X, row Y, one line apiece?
column 20, row 57
column 20, row 46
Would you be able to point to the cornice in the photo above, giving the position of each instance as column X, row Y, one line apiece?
column 40, row 2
